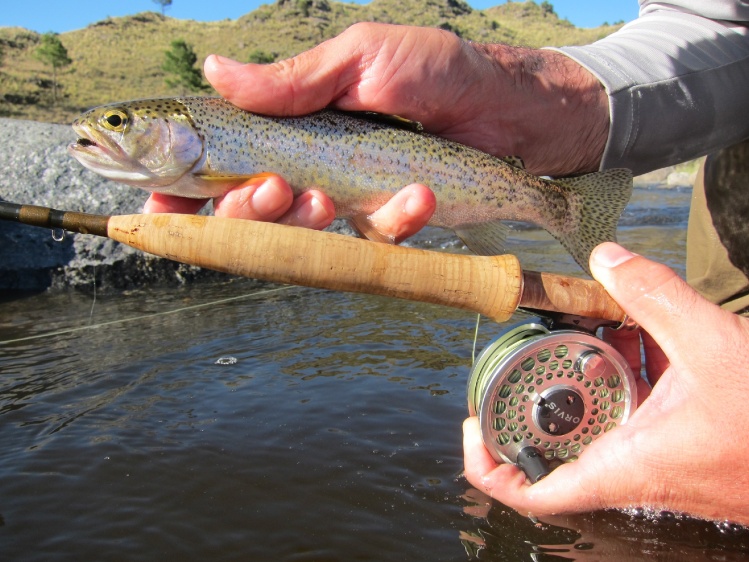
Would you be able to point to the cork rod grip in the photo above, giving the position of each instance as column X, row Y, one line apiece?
column 490, row 285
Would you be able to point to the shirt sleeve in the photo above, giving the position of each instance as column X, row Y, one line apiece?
column 677, row 80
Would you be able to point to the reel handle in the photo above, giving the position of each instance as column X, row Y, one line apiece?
column 533, row 463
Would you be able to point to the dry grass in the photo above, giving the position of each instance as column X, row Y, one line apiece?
column 120, row 58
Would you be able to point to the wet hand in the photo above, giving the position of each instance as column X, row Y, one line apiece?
column 684, row 448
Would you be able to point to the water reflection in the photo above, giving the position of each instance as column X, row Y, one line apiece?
column 603, row 535
column 333, row 434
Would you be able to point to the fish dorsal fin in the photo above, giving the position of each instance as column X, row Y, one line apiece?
column 484, row 238
column 389, row 120
column 514, row 161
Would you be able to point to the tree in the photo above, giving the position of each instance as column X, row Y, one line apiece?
column 547, row 8
column 180, row 63
column 164, row 4
column 258, row 56
column 53, row 53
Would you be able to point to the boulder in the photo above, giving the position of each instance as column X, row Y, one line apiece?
column 37, row 170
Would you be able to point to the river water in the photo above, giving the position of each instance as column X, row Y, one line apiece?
column 230, row 422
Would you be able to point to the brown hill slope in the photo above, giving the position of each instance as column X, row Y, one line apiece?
column 121, row 58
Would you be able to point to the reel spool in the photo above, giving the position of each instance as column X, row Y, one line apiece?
column 543, row 396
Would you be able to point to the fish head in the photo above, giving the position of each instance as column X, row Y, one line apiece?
column 149, row 144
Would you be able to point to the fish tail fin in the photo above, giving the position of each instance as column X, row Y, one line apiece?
column 596, row 203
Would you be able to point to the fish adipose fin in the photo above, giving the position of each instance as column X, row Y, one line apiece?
column 484, row 238
column 597, row 201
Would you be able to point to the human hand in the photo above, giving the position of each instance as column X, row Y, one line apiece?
column 271, row 199
column 539, row 105
column 684, row 449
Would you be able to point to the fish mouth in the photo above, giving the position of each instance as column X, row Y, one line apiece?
column 88, row 136
column 88, row 146
column 106, row 158
column 85, row 143
column 98, row 155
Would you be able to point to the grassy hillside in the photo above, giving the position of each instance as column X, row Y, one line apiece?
column 121, row 58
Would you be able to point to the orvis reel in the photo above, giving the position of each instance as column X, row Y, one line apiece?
column 542, row 394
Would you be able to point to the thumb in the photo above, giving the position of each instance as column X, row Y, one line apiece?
column 652, row 294
column 598, row 479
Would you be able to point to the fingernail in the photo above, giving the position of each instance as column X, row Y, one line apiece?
column 315, row 214
column 413, row 206
column 227, row 61
column 610, row 255
column 311, row 213
column 268, row 199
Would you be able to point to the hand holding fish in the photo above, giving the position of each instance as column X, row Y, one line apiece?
column 505, row 101
column 475, row 94
column 670, row 454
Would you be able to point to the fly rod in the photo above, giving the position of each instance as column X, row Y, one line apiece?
column 494, row 286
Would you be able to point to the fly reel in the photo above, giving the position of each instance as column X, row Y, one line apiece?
column 542, row 395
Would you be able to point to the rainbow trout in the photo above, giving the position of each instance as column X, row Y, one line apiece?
column 202, row 147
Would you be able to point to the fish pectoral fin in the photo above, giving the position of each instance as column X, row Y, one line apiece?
column 363, row 225
column 484, row 238
column 213, row 185
column 232, row 178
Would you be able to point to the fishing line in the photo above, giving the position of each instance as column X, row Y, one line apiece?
column 147, row 316
column 93, row 303
column 475, row 339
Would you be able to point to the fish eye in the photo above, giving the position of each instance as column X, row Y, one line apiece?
column 114, row 120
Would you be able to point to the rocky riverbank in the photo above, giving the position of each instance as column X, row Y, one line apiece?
column 37, row 170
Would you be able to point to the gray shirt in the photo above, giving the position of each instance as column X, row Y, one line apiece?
column 677, row 80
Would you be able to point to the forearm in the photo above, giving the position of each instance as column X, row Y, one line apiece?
column 551, row 111
column 677, row 83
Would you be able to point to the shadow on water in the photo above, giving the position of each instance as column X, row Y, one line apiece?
column 226, row 422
